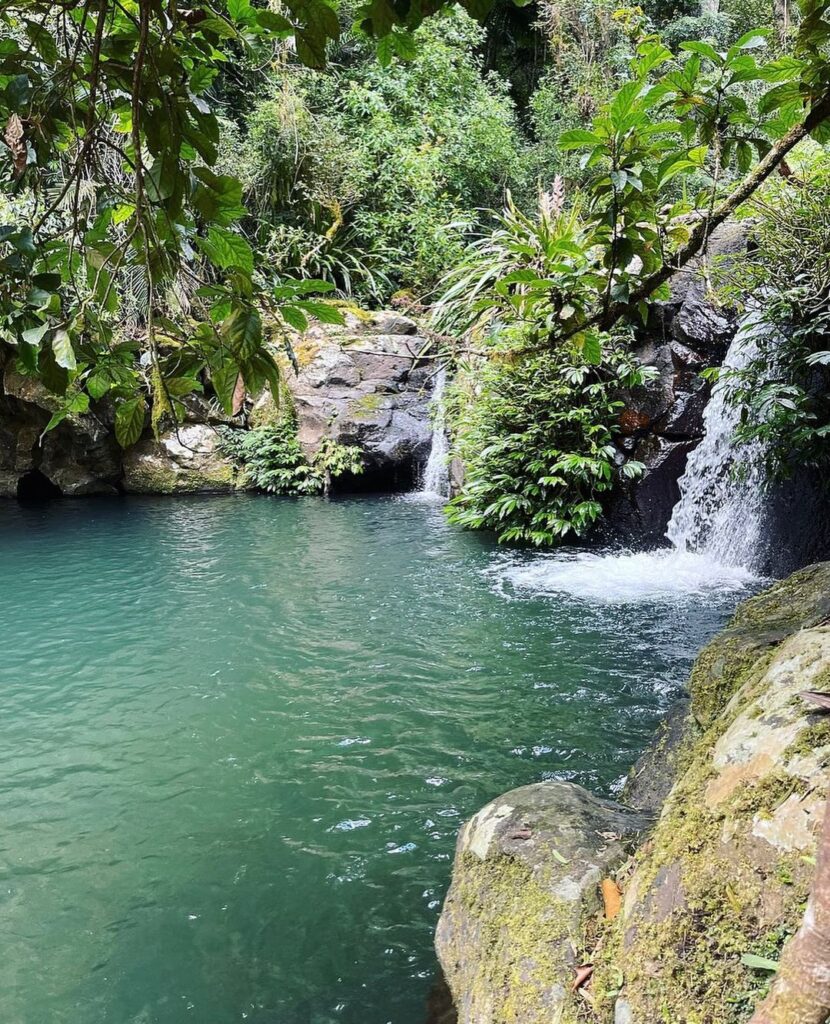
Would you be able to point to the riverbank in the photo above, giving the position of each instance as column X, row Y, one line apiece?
column 710, row 889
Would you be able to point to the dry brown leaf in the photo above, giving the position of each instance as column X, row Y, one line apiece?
column 818, row 697
column 583, row 973
column 611, row 898
column 238, row 396
column 15, row 139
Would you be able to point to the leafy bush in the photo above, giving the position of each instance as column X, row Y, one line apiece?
column 370, row 176
column 273, row 459
column 536, row 438
column 534, row 428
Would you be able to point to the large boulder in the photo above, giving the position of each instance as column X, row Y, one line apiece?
column 184, row 461
column 365, row 384
column 724, row 876
column 662, row 421
column 693, row 316
column 527, row 870
column 639, row 511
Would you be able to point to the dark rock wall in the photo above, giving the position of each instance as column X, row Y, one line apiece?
column 662, row 422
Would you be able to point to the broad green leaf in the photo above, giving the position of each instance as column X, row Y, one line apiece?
column 577, row 138
column 759, row 963
column 34, row 335
column 704, row 49
column 224, row 378
column 242, row 331
column 63, row 351
column 274, row 22
column 227, row 250
column 294, row 317
column 129, row 421
column 322, row 311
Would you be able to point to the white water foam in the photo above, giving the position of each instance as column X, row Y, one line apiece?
column 722, row 503
column 623, row 577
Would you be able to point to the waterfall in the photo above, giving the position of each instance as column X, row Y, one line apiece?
column 716, row 529
column 721, row 509
column 436, row 480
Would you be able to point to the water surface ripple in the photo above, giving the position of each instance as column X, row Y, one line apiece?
column 239, row 735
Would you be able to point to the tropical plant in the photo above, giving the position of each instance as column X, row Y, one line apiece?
column 273, row 460
column 109, row 117
column 784, row 391
column 536, row 439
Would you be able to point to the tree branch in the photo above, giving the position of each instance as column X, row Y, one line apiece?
column 606, row 318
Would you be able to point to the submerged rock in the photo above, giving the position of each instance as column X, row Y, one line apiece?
column 527, row 870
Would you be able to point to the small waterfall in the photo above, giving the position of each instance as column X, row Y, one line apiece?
column 716, row 529
column 721, row 509
column 436, row 479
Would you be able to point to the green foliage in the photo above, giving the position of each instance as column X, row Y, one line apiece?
column 121, row 238
column 273, row 459
column 369, row 176
column 784, row 392
column 533, row 271
column 537, row 442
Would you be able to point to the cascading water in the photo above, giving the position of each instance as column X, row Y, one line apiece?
column 721, row 508
column 436, row 480
column 716, row 528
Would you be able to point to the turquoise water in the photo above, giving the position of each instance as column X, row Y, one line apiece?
column 239, row 735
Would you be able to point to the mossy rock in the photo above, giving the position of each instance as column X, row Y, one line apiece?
column 728, row 866
column 527, row 870
column 758, row 627
column 183, row 462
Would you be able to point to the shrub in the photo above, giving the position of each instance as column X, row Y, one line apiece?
column 273, row 459
column 536, row 438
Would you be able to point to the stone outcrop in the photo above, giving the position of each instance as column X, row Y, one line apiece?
column 366, row 384
column 662, row 421
column 527, row 870
column 720, row 881
column 80, row 456
column 726, row 871
column 185, row 461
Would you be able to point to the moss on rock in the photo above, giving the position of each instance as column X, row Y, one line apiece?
column 758, row 626
column 726, row 871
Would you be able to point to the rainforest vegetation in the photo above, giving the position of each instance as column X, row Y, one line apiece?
column 186, row 188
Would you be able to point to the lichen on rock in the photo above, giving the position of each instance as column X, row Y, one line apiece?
column 722, row 877
column 727, row 869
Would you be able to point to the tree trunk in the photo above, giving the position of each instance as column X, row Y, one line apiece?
column 781, row 16
column 800, row 993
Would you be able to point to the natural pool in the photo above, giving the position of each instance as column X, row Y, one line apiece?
column 239, row 735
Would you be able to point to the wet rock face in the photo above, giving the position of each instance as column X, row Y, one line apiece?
column 662, row 421
column 527, row 870
column 691, row 321
column 366, row 384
